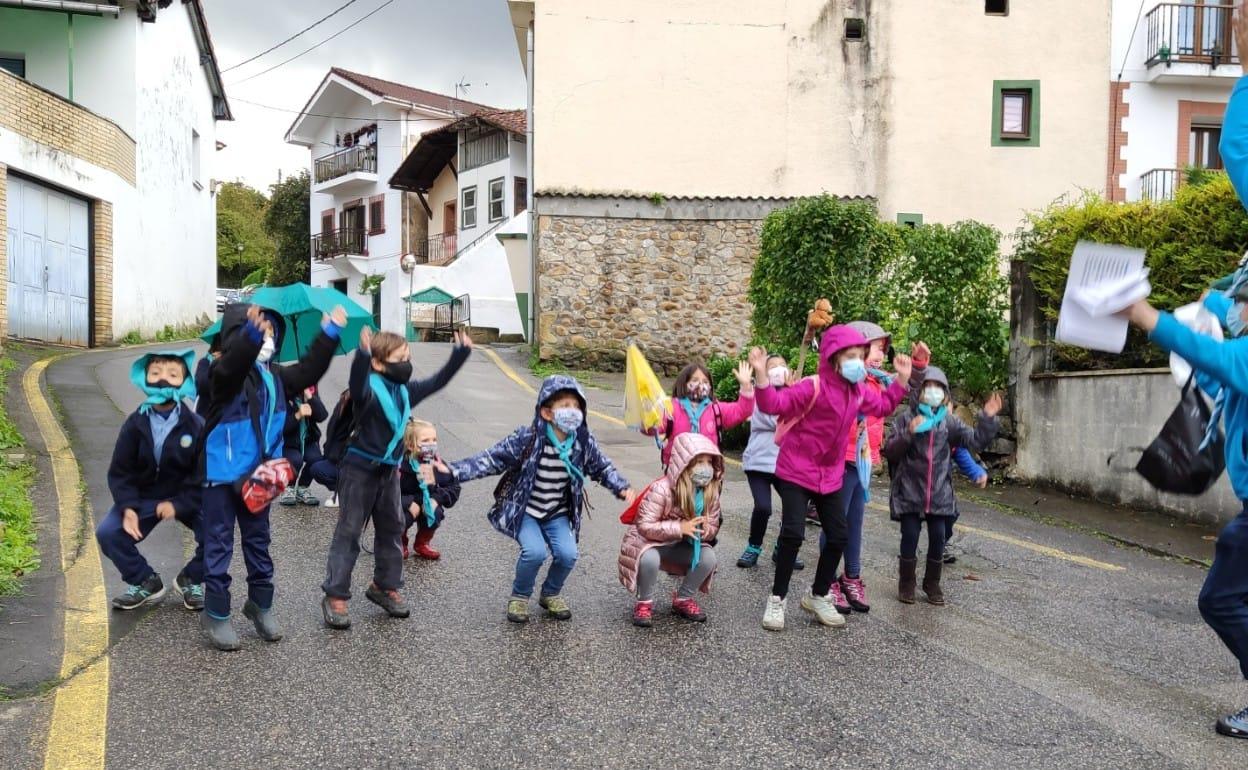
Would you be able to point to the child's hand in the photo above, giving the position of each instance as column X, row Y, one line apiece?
column 130, row 524
column 254, row 317
column 366, row 339
column 414, row 509
column 992, row 407
column 165, row 511
column 758, row 360
column 339, row 317
column 921, row 354
column 903, row 366
column 745, row 375
column 690, row 527
column 463, row 339
column 628, row 496
column 916, row 422
column 982, row 481
column 305, row 411
column 441, row 466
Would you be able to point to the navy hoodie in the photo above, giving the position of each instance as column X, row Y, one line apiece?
column 134, row 476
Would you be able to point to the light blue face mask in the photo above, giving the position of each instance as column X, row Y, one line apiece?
column 1235, row 323
column 854, row 370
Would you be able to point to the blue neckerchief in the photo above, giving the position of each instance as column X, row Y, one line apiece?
column 863, row 462
column 426, row 502
column 695, row 415
column 884, row 377
column 933, row 418
column 699, row 507
column 565, row 451
column 270, row 389
column 157, row 396
column 397, row 419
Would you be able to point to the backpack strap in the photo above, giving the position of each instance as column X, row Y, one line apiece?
column 719, row 423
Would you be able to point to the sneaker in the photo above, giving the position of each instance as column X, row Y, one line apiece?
column 518, row 609
column 219, row 632
column 192, row 593
column 289, row 497
column 856, row 592
column 1234, row 725
column 390, row 601
column 331, row 501
column 749, row 558
column 265, row 623
column 643, row 614
column 305, row 497
column 149, row 591
column 688, row 609
column 823, row 609
column 838, row 599
column 798, row 564
column 950, row 555
column 334, row 611
column 773, row 615
column 556, row 607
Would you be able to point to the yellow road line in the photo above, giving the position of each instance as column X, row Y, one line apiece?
column 1056, row 553
column 516, row 378
column 78, row 729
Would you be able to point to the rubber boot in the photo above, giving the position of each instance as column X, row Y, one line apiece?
column 266, row 624
column 219, row 632
column 931, row 582
column 421, row 547
column 906, row 579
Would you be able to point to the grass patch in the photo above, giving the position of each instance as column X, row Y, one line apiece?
column 10, row 438
column 18, row 555
column 543, row 369
column 179, row 333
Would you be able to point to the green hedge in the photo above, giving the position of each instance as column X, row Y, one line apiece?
column 1191, row 241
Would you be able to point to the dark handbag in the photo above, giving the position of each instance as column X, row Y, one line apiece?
column 1174, row 462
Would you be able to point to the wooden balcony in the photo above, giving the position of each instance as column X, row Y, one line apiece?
column 339, row 243
column 1182, row 33
column 1160, row 184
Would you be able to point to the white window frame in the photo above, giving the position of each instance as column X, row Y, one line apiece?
column 466, row 211
column 500, row 201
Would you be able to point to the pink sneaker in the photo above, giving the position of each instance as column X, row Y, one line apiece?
column 643, row 614
column 688, row 609
column 856, row 592
column 838, row 599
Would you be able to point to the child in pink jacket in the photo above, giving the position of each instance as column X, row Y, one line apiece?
column 696, row 410
column 819, row 412
column 676, row 519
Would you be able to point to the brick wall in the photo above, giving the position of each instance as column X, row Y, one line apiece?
column 1118, row 112
column 102, row 280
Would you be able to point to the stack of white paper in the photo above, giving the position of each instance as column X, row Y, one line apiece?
column 1103, row 280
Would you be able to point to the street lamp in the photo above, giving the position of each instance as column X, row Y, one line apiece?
column 408, row 265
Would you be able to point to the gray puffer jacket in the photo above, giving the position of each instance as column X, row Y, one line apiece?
column 921, row 465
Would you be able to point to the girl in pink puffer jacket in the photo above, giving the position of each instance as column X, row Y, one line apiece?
column 677, row 519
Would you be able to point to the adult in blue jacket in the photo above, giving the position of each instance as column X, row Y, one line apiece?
column 1222, row 370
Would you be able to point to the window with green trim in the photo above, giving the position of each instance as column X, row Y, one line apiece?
column 1016, row 113
column 909, row 220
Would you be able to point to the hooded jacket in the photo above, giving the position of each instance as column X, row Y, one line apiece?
column 718, row 415
column 239, row 399
column 311, row 425
column 761, row 450
column 659, row 515
column 444, row 491
column 521, row 452
column 813, row 453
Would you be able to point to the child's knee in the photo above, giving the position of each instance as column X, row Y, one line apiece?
column 565, row 555
column 533, row 555
column 708, row 559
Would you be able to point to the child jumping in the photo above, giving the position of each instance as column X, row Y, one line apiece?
column 920, row 448
column 382, row 396
column 696, row 410
column 759, row 462
column 811, row 461
column 678, row 514
column 538, row 502
column 302, row 438
column 153, row 477
column 426, row 487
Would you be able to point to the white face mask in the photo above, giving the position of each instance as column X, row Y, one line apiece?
column 267, row 350
column 777, row 375
column 934, row 396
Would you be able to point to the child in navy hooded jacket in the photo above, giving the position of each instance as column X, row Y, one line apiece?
column 244, row 426
column 152, row 477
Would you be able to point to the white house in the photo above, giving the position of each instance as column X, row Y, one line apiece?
column 1172, row 67
column 108, row 116
column 470, row 179
column 358, row 130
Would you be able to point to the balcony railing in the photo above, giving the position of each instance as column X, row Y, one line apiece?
column 346, row 161
column 338, row 243
column 1160, row 184
column 438, row 250
column 1201, row 34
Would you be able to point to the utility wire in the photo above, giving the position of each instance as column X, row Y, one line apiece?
column 342, row 117
column 313, row 48
column 311, row 26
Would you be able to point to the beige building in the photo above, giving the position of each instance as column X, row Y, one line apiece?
column 664, row 132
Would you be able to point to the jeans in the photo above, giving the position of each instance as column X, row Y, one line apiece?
column 222, row 508
column 912, row 524
column 1224, row 597
column 123, row 550
column 366, row 492
column 793, row 502
column 854, row 498
column 678, row 556
column 761, row 484
column 535, row 535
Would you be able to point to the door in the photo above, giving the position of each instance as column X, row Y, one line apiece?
column 49, row 282
column 450, row 226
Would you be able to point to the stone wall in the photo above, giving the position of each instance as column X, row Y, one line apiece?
column 675, row 286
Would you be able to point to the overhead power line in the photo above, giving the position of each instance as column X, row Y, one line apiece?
column 311, row 26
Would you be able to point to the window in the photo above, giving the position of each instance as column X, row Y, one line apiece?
column 1016, row 113
column 339, row 285
column 327, row 221
column 521, row 200
column 498, row 196
column 909, row 220
column 1203, row 146
column 14, row 64
column 855, row 29
column 469, row 208
column 195, row 160
column 376, row 214
column 997, row 7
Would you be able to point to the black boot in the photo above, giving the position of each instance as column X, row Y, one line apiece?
column 266, row 624
column 931, row 583
column 906, row 579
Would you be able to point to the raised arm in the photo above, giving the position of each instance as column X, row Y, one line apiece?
column 227, row 373
column 499, row 458
column 309, row 369
column 1234, row 144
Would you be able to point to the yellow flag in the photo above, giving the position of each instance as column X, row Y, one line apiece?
column 646, row 406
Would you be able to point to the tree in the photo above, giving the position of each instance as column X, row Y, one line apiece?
column 287, row 223
column 240, row 223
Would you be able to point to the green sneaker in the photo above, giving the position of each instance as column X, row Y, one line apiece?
column 556, row 607
column 518, row 610
column 150, row 592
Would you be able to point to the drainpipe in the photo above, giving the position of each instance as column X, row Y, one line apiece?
column 532, row 186
column 71, row 56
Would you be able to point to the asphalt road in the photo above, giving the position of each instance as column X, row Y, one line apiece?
column 1037, row 662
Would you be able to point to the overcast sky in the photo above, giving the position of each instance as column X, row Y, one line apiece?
column 430, row 44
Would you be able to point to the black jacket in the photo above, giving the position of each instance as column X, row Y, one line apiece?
column 372, row 432
column 921, row 465
column 313, row 435
column 133, row 475
column 203, row 402
column 338, row 431
column 444, row 492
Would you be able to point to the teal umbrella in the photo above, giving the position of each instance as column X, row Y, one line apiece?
column 303, row 307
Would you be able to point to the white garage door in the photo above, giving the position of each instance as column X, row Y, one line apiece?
column 49, row 269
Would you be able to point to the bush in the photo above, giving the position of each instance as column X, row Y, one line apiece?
column 723, row 374
column 1190, row 242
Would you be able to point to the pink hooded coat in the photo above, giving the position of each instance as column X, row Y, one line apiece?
column 658, row 516
column 813, row 453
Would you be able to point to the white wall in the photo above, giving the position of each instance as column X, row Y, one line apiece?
column 480, row 178
column 484, row 275
column 445, row 189
column 1152, row 126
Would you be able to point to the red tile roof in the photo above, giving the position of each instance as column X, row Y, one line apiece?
column 514, row 121
column 392, row 90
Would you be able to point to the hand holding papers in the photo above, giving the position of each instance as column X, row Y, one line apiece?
column 1103, row 280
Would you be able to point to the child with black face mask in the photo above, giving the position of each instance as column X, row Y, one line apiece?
column 382, row 396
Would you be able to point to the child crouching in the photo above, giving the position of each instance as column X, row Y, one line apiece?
column 426, row 487
column 676, row 520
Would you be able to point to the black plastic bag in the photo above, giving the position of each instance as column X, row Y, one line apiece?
column 1174, row 462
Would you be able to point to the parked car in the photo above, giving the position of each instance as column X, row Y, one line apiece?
column 226, row 297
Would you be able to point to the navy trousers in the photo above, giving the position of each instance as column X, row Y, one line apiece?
column 123, row 550
column 305, row 464
column 222, row 508
column 1224, row 596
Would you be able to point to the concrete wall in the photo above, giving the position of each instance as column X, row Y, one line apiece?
column 445, row 190
column 483, row 274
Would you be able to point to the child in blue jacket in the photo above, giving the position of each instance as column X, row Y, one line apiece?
column 539, row 501
column 152, row 477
